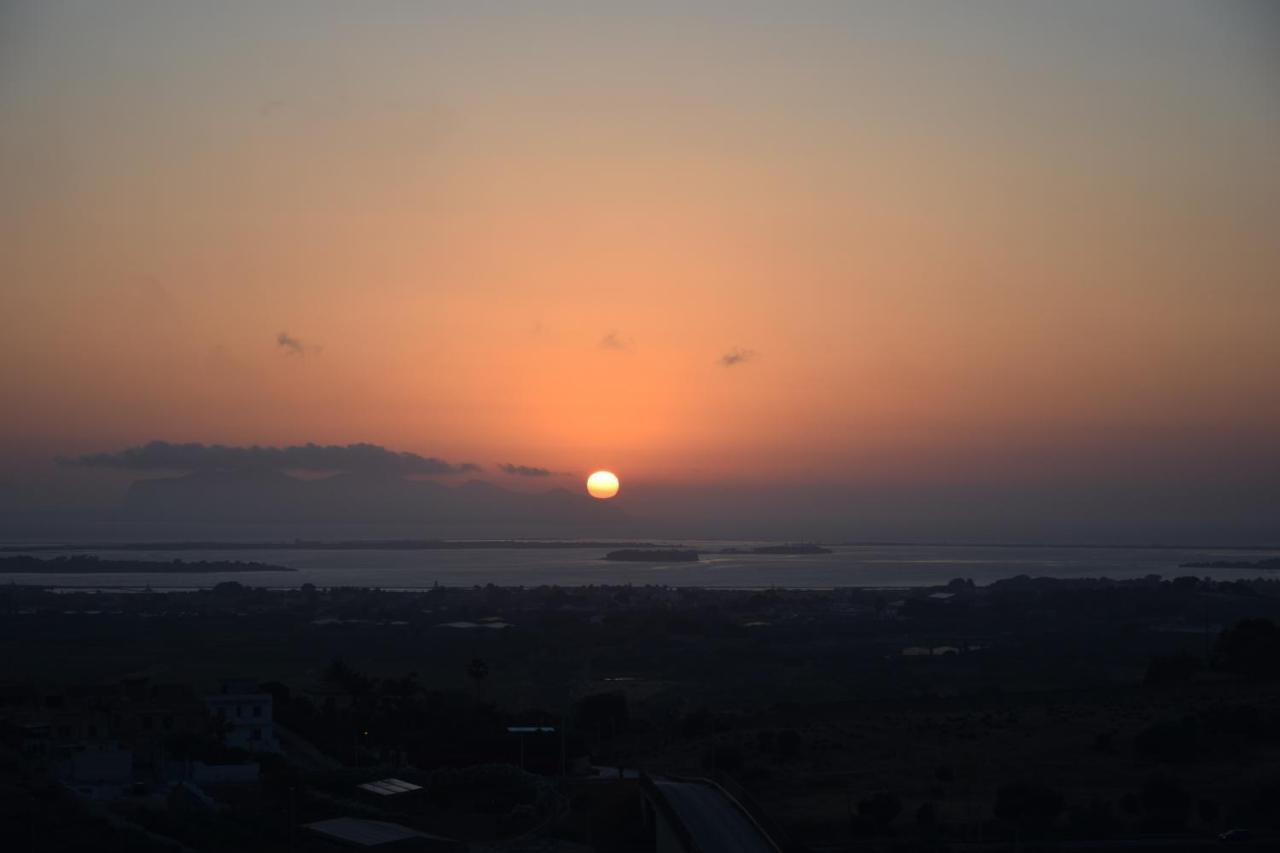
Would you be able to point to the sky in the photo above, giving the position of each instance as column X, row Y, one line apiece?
column 993, row 270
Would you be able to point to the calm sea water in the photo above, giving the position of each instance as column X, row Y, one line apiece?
column 858, row 565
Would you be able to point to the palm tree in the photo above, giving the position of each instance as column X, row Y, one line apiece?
column 478, row 671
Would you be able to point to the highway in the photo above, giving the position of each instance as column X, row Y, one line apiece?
column 715, row 822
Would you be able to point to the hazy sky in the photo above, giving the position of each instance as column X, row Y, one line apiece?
column 959, row 251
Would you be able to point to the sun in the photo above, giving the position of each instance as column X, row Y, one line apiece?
column 602, row 485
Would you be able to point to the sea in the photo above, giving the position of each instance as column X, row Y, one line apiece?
column 885, row 566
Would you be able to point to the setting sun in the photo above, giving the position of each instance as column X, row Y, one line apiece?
column 602, row 485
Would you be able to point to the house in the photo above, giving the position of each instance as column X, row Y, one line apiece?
column 245, row 711
column 98, row 772
column 390, row 788
column 50, row 722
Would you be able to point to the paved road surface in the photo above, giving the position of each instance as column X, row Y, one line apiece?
column 716, row 822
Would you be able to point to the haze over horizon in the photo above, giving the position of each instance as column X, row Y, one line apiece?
column 985, row 272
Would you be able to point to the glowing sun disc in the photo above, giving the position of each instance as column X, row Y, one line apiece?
column 602, row 485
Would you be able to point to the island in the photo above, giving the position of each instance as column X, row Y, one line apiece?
column 324, row 545
column 88, row 564
column 790, row 549
column 653, row 555
column 1270, row 564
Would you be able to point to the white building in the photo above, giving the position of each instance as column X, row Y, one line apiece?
column 246, row 712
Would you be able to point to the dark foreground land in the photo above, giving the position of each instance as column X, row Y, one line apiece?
column 1028, row 714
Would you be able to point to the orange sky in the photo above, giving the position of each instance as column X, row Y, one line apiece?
column 953, row 245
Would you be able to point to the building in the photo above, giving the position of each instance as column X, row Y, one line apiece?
column 135, row 714
column 347, row 832
column 245, row 712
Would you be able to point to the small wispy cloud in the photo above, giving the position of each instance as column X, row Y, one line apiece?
column 524, row 470
column 614, row 341
column 294, row 346
column 737, row 356
column 272, row 107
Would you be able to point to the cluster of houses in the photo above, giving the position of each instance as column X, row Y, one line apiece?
column 139, row 738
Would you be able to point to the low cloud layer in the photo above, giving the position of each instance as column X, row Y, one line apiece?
column 524, row 470
column 737, row 356
column 366, row 458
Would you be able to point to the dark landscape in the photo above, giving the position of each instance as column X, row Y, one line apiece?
column 853, row 719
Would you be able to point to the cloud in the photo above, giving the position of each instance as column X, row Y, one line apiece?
column 736, row 356
column 366, row 458
column 613, row 342
column 524, row 470
column 292, row 345
column 272, row 106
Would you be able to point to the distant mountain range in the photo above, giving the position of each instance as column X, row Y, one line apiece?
column 265, row 496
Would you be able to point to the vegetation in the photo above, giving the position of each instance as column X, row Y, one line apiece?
column 1271, row 563
column 1060, row 710
column 88, row 564
column 653, row 555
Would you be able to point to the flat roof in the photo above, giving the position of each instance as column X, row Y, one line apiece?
column 387, row 787
column 366, row 833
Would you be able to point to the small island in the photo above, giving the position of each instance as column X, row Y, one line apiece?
column 1271, row 564
column 788, row 548
column 88, row 564
column 791, row 549
column 653, row 555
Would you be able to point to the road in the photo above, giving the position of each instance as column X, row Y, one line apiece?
column 713, row 819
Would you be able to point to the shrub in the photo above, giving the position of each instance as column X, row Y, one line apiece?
column 880, row 809
column 1031, row 806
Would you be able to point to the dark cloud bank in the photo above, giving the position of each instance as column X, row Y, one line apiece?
column 352, row 458
column 524, row 470
column 359, row 484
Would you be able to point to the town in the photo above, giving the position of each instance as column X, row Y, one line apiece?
column 578, row 718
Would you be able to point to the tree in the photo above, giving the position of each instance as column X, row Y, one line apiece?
column 1170, row 740
column 478, row 671
column 1165, row 803
column 880, row 809
column 1030, row 806
column 1172, row 668
column 602, row 713
column 356, row 684
column 1250, row 648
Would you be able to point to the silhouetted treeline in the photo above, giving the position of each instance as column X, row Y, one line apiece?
column 653, row 555
column 1268, row 564
column 88, row 564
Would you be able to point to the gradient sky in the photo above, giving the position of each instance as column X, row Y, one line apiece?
column 1019, row 253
